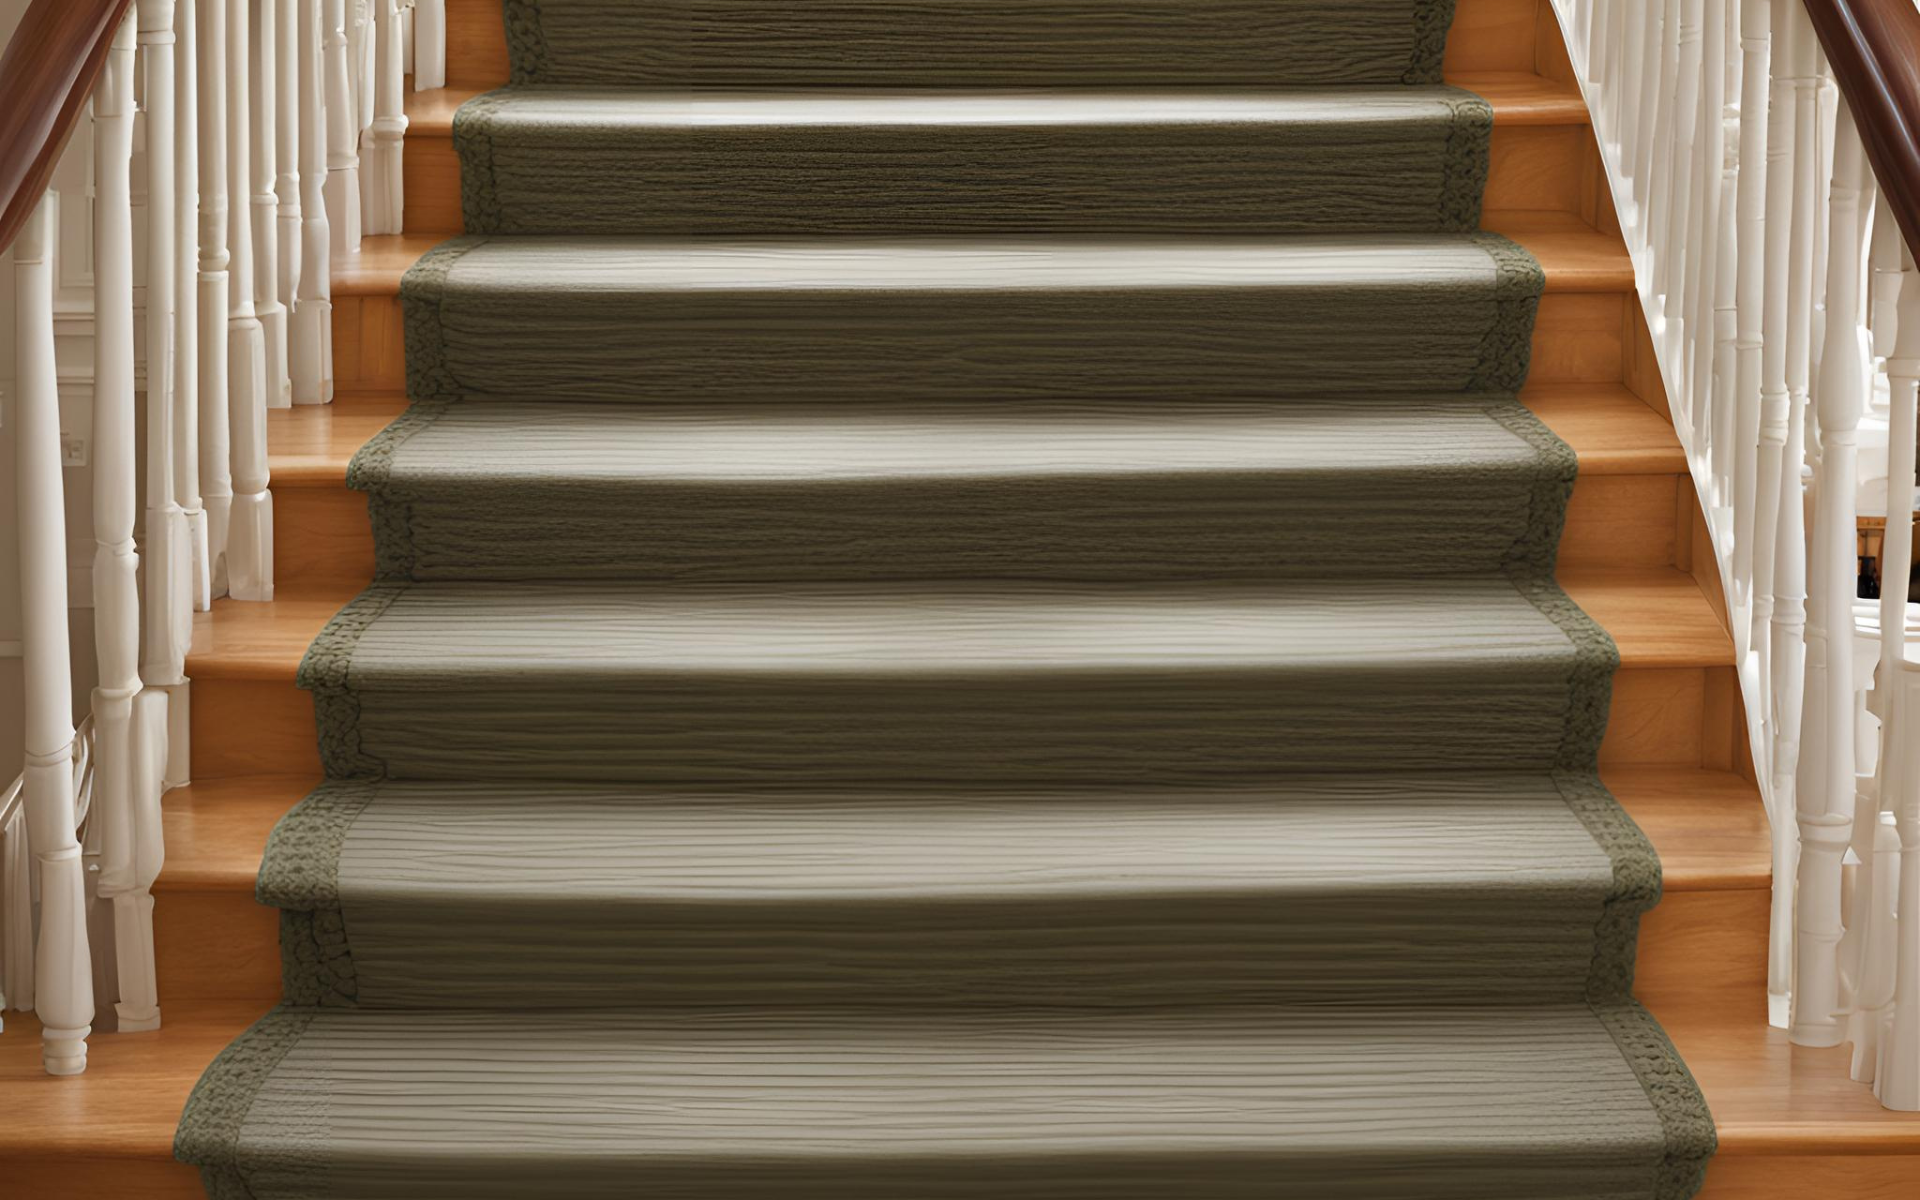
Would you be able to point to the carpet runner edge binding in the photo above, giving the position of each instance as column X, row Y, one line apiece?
column 1039, row 817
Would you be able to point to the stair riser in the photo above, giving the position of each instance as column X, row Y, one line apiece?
column 1533, row 168
column 1577, row 338
column 1659, row 716
column 321, row 534
column 1487, row 35
column 1729, row 1177
column 222, row 945
column 986, row 43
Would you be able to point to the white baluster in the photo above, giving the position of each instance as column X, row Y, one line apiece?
column 1827, row 792
column 186, row 355
column 168, row 598
column 263, row 156
column 383, row 185
column 1624, row 63
column 1823, row 838
column 360, row 36
column 250, row 531
column 1706, row 303
column 1672, row 265
column 1774, row 399
column 116, row 565
column 1650, row 28
column 1883, row 290
column 1898, row 1081
column 1871, row 942
column 312, row 350
column 1750, row 207
column 216, row 476
column 287, row 53
column 63, row 975
column 429, row 45
column 343, row 137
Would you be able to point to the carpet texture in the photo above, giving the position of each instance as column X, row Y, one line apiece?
column 941, row 635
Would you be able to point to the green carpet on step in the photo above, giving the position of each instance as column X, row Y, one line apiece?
column 964, row 610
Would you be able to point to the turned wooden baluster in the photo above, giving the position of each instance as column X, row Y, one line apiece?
column 168, row 561
column 429, row 45
column 1750, row 208
column 1708, row 302
column 262, row 29
column 1823, row 831
column 311, row 355
column 1674, row 268
column 383, row 185
column 1898, row 1080
column 343, row 137
column 126, row 767
column 216, row 479
column 1869, row 949
column 286, row 188
column 186, row 356
column 1772, row 472
column 250, row 528
column 1827, row 784
column 63, row 975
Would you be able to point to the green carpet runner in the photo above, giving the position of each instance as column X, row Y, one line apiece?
column 988, row 641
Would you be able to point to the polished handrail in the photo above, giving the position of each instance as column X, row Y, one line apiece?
column 1873, row 47
column 46, row 76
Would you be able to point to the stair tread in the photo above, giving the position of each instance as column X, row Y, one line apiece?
column 1707, row 826
column 605, row 108
column 1517, row 97
column 839, row 1096
column 609, row 845
column 1579, row 262
column 521, row 442
column 1767, row 1096
column 1611, row 430
column 1657, row 616
column 1575, row 258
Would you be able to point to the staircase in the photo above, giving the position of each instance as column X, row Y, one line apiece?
column 1789, row 1123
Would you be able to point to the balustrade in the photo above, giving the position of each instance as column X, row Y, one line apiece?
column 1764, row 212
column 250, row 115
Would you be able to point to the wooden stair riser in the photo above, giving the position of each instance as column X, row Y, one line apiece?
column 222, row 946
column 1533, row 168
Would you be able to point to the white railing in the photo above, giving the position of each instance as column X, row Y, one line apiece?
column 247, row 121
column 1784, row 309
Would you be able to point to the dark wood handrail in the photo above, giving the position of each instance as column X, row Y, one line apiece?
column 1874, row 49
column 46, row 75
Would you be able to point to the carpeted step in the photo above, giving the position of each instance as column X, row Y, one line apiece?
column 1453, row 886
column 791, row 684
column 1353, row 1102
column 1021, row 318
column 675, row 161
column 1126, row 490
column 975, row 43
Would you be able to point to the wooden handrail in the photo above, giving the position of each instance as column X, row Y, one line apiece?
column 46, row 75
column 1873, row 47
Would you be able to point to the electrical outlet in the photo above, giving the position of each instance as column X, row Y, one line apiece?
column 73, row 449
